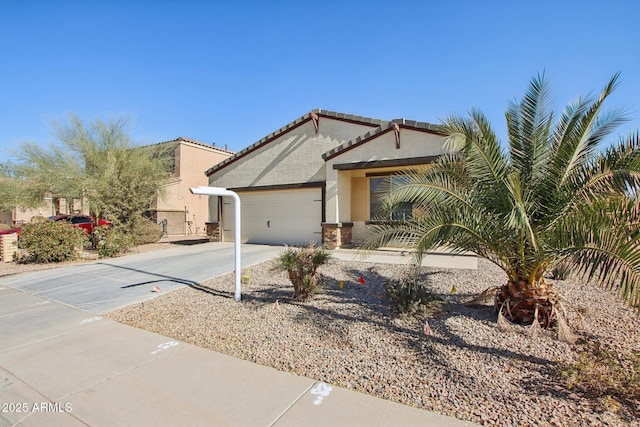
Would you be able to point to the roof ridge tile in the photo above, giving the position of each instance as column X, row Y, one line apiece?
column 193, row 141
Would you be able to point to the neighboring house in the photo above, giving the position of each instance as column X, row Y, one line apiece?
column 51, row 206
column 318, row 178
column 179, row 212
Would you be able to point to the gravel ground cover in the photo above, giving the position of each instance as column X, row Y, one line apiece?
column 467, row 367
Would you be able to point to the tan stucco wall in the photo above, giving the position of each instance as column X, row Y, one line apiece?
column 192, row 161
column 296, row 157
column 412, row 144
column 359, row 199
column 19, row 216
column 293, row 158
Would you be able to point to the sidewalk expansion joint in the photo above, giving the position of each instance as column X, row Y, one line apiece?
column 288, row 408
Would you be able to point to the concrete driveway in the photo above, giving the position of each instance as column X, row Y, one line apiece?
column 110, row 284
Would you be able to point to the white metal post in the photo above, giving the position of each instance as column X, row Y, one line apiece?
column 236, row 232
column 219, row 191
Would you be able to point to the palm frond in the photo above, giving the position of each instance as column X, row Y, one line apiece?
column 486, row 164
column 442, row 183
column 580, row 140
column 602, row 241
column 520, row 216
column 613, row 173
column 555, row 196
column 529, row 122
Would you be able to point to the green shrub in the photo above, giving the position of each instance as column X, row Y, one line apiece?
column 409, row 295
column 145, row 231
column 50, row 241
column 301, row 263
column 603, row 372
column 111, row 242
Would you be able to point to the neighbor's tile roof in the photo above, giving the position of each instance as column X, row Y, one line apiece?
column 193, row 141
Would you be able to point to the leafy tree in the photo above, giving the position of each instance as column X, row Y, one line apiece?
column 97, row 163
column 7, row 189
column 552, row 197
column 15, row 192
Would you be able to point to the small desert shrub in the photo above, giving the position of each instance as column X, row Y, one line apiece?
column 603, row 372
column 111, row 242
column 146, row 231
column 301, row 263
column 409, row 295
column 50, row 241
column 245, row 278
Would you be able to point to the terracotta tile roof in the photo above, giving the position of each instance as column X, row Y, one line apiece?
column 349, row 117
column 193, row 141
column 381, row 126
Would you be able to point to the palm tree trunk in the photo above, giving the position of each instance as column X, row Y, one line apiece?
column 523, row 304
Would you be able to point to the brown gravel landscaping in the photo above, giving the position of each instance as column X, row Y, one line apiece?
column 467, row 367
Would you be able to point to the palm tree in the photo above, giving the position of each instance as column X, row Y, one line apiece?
column 552, row 197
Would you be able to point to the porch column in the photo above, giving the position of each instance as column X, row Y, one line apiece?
column 336, row 235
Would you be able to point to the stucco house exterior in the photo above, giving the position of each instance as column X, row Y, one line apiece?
column 317, row 179
column 51, row 206
column 179, row 212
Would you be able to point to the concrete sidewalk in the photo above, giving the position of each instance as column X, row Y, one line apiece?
column 436, row 258
column 62, row 366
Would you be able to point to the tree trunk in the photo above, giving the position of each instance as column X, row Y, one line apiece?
column 521, row 303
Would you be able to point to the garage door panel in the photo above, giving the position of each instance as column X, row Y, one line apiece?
column 277, row 217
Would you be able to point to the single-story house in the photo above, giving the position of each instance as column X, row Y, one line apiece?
column 317, row 179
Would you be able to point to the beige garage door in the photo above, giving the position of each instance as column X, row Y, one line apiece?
column 276, row 217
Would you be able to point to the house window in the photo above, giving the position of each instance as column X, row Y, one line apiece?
column 379, row 188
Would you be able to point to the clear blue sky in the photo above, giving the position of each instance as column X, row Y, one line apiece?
column 232, row 72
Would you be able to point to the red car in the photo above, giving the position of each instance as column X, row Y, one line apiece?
column 10, row 231
column 86, row 222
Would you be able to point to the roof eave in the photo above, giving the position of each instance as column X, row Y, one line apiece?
column 367, row 121
column 380, row 130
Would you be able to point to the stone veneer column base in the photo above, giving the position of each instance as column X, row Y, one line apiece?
column 213, row 231
column 336, row 235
